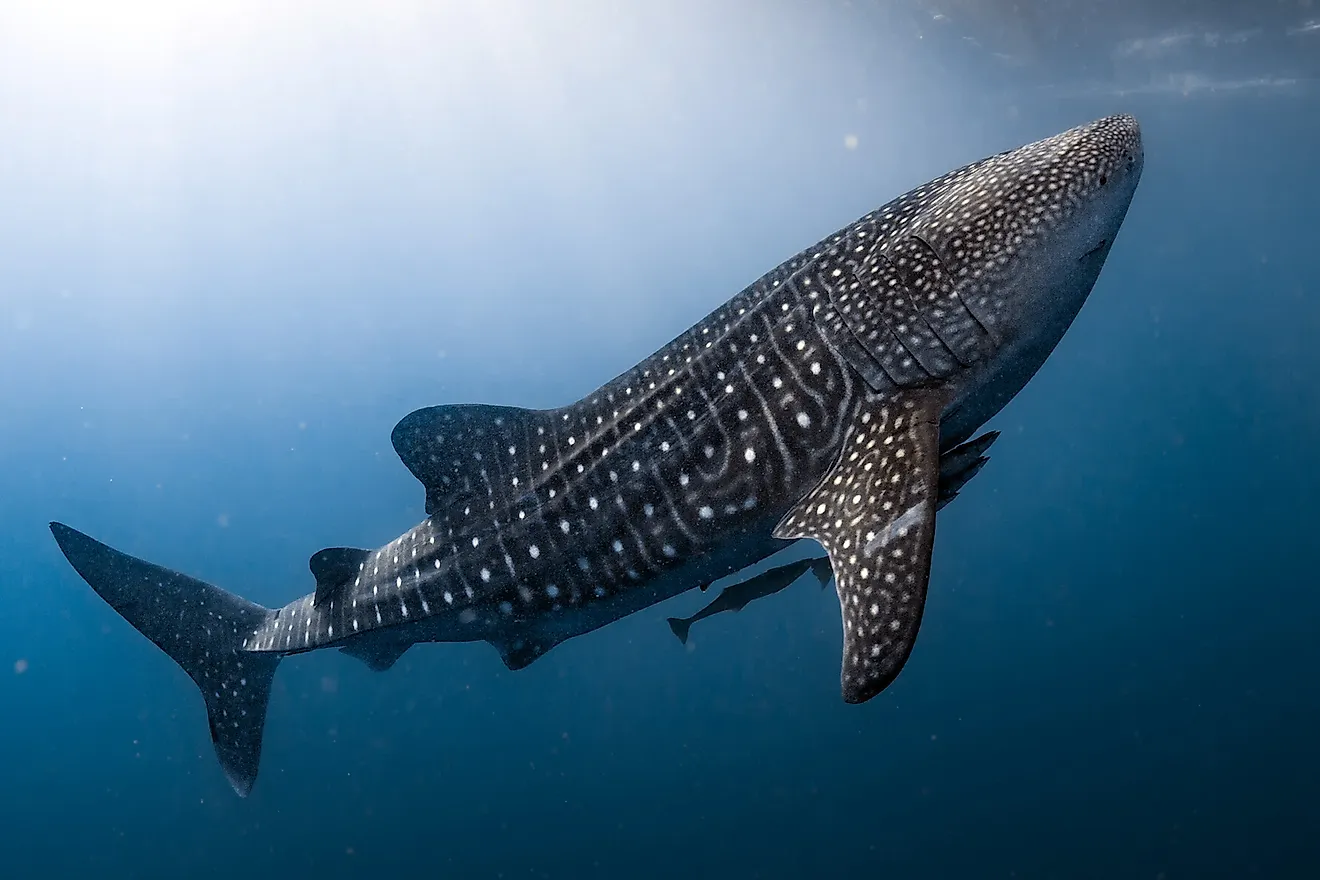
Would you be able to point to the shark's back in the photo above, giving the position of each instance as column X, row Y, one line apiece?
column 479, row 463
column 582, row 508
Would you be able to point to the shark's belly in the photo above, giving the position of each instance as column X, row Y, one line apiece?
column 737, row 551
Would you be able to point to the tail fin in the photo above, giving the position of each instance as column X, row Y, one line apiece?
column 823, row 571
column 680, row 628
column 203, row 629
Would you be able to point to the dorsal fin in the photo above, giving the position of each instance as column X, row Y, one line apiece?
column 471, row 453
column 333, row 567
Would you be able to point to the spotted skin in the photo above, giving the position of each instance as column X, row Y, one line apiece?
column 768, row 420
column 542, row 523
column 874, row 514
column 956, row 468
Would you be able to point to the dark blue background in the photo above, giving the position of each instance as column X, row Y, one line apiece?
column 235, row 249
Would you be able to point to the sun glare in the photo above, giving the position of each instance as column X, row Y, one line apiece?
column 118, row 36
column 89, row 24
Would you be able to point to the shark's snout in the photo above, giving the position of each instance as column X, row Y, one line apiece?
column 1024, row 235
column 1116, row 142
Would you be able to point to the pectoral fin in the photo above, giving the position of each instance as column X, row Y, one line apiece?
column 960, row 464
column 874, row 513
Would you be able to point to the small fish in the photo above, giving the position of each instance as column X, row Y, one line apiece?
column 735, row 597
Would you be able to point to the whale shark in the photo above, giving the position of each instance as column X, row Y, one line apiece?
column 834, row 399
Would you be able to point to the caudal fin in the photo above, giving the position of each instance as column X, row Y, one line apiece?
column 201, row 628
column 680, row 628
column 823, row 571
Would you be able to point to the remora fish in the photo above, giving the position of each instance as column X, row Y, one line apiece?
column 816, row 404
column 736, row 597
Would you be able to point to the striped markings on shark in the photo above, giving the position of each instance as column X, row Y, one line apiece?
column 833, row 399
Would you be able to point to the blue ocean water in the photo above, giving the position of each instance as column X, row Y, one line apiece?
column 238, row 244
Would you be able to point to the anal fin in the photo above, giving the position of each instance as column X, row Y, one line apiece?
column 377, row 657
column 874, row 513
column 520, row 653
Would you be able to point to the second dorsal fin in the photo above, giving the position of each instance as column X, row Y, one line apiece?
column 333, row 567
column 470, row 453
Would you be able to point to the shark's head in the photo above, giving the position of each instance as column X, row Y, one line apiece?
column 1023, row 235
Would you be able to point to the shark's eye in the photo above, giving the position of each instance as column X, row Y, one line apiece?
column 1104, row 178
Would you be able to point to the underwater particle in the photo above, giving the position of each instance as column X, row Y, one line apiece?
column 222, row 520
column 850, row 142
column 20, row 666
